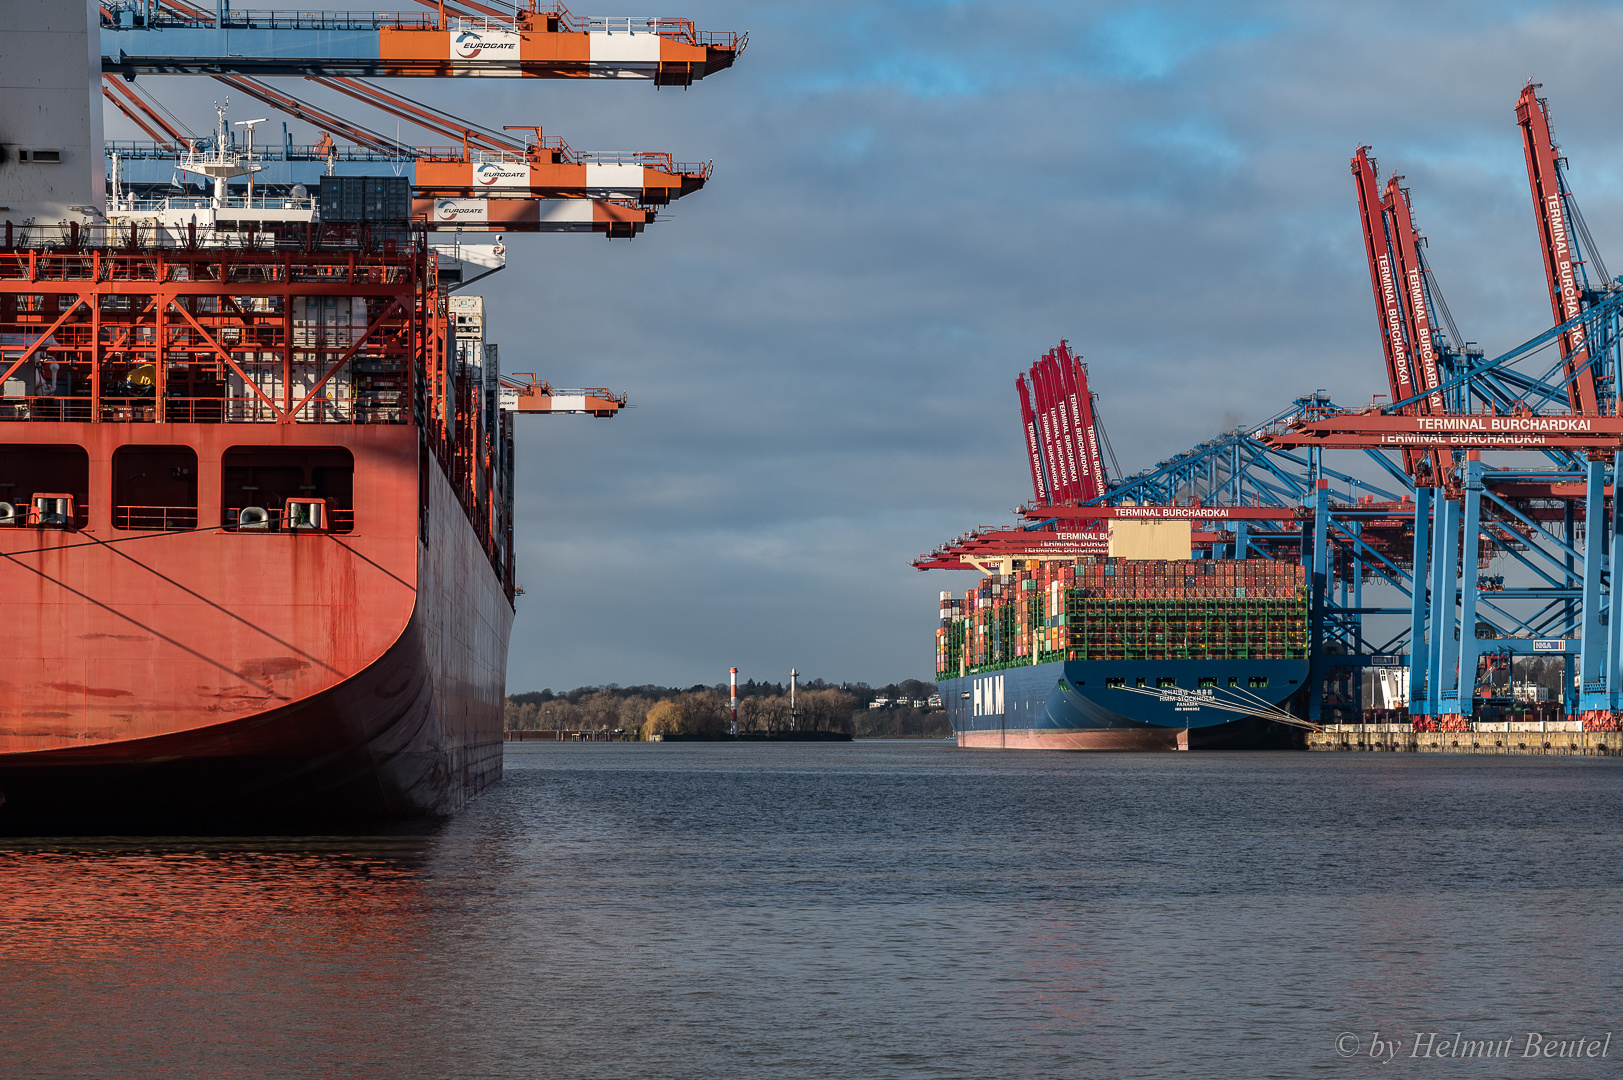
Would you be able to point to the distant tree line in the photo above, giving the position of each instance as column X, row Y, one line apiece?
column 763, row 707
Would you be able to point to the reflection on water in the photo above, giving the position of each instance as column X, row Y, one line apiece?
column 223, row 957
column 903, row 910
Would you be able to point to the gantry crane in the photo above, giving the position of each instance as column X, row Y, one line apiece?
column 1062, row 436
column 460, row 38
column 1566, row 247
column 1529, row 516
column 492, row 181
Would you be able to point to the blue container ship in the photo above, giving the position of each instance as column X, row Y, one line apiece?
column 1129, row 705
column 1127, row 654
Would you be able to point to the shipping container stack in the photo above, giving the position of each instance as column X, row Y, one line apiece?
column 1125, row 609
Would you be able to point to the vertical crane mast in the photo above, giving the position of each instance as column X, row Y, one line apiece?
column 1075, row 440
column 1061, row 481
column 1383, row 281
column 1090, row 431
column 1079, row 403
column 1406, row 260
column 1062, row 433
column 1034, row 450
column 1065, row 427
column 1382, row 277
column 1414, row 302
column 1563, row 264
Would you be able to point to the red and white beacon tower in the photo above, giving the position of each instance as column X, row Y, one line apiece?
column 734, row 683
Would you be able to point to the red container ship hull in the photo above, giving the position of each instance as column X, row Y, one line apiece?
column 216, row 674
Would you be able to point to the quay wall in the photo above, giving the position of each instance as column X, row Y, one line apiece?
column 1400, row 738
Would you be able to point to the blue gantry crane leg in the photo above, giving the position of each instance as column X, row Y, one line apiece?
column 1420, row 599
column 1470, row 586
column 1319, row 571
column 1444, row 648
column 1592, row 650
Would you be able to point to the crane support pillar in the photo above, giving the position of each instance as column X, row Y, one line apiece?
column 1357, row 577
column 1600, row 672
column 1592, row 651
column 1459, row 719
column 1418, row 653
column 1320, row 577
column 1614, row 622
column 1570, row 607
column 1444, row 646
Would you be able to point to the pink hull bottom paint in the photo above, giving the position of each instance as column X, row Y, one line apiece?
column 1105, row 739
column 1251, row 734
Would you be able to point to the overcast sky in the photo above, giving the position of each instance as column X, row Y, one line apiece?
column 911, row 202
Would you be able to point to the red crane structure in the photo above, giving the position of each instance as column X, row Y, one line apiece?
column 1558, row 221
column 1383, row 277
column 1062, row 433
column 1568, row 414
column 1397, row 278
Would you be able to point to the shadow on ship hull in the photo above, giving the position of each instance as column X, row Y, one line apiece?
column 370, row 749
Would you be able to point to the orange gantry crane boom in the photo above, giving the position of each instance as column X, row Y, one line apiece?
column 140, row 112
column 1563, row 263
column 491, row 164
column 538, row 397
column 1383, row 277
column 1418, row 321
column 526, row 40
column 1398, row 279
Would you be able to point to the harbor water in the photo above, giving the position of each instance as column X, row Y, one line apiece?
column 869, row 909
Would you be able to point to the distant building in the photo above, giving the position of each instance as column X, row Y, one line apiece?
column 1524, row 691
